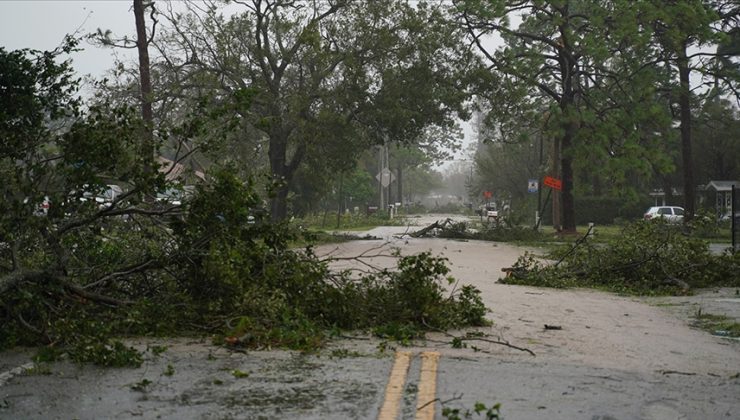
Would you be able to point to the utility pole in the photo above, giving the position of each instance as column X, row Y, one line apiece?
column 381, row 159
column 390, row 175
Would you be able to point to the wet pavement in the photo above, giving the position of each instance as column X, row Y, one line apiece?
column 615, row 358
column 192, row 379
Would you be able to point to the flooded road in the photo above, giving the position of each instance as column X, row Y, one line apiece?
column 612, row 357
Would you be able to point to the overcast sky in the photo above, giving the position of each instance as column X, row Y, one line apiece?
column 42, row 25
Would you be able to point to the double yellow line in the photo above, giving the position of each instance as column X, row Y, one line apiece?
column 426, row 391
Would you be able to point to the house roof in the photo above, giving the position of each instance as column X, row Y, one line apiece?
column 722, row 185
column 174, row 170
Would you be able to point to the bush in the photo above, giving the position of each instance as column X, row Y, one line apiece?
column 83, row 274
column 222, row 268
column 650, row 257
column 604, row 210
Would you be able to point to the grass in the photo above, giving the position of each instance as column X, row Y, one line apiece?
column 605, row 233
column 354, row 222
column 717, row 324
column 320, row 228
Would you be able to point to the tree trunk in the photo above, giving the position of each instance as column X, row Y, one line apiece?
column 667, row 191
column 688, row 162
column 279, row 204
column 570, row 124
column 556, row 222
column 399, row 179
column 277, row 153
column 145, row 85
column 566, row 168
column 339, row 199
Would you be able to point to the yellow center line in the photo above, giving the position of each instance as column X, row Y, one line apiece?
column 394, row 389
column 427, row 386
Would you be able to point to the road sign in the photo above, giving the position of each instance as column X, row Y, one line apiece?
column 487, row 194
column 533, row 186
column 553, row 183
column 385, row 177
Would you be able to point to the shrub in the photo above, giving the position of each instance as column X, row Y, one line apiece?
column 224, row 269
column 650, row 257
column 604, row 210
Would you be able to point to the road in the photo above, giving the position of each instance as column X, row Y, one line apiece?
column 612, row 358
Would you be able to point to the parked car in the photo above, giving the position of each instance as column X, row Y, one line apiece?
column 42, row 209
column 176, row 196
column 102, row 197
column 669, row 213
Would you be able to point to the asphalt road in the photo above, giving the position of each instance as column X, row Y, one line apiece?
column 203, row 384
column 614, row 358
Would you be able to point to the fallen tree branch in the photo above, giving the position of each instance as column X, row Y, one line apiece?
column 135, row 268
column 578, row 243
column 454, row 398
column 10, row 280
column 435, row 225
column 468, row 338
column 501, row 343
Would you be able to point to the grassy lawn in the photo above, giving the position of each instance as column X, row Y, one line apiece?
column 321, row 227
column 604, row 233
column 717, row 324
column 349, row 222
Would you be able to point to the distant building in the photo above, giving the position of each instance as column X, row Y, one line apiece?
column 177, row 171
column 659, row 196
column 719, row 193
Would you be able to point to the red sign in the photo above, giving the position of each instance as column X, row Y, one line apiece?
column 487, row 194
column 553, row 183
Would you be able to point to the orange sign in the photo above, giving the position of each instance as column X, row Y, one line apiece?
column 487, row 194
column 553, row 183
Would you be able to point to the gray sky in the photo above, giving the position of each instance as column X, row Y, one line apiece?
column 42, row 25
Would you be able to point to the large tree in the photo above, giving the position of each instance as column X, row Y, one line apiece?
column 683, row 30
column 591, row 66
column 545, row 58
column 327, row 78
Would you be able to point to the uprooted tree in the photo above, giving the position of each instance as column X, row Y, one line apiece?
column 76, row 271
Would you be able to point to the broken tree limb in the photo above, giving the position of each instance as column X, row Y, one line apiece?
column 500, row 343
column 486, row 340
column 436, row 225
column 580, row 241
column 14, row 278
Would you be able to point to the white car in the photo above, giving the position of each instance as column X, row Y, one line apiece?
column 670, row 213
column 42, row 209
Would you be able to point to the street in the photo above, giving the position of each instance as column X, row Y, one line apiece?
column 603, row 357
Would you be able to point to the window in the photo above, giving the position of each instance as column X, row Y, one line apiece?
column 665, row 211
column 678, row 211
